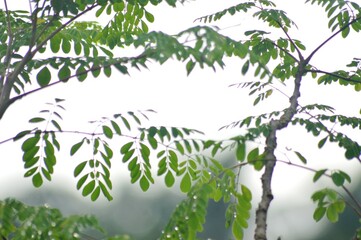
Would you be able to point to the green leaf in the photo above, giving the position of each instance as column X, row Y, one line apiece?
column 56, row 125
column 169, row 179
column 94, row 196
column 116, row 127
column 30, row 143
column 81, row 73
column 125, row 148
column 30, row 172
column 107, row 132
column 55, row 44
column 107, row 71
column 31, row 162
column 36, row 120
column 79, row 168
column 179, row 147
column 37, row 180
column 128, row 155
column 65, row 46
column 153, row 142
column 247, row 194
column 88, row 188
column 43, row 77
column 337, row 179
column 28, row 155
column 21, row 134
column 190, row 66
column 301, row 157
column 149, row 17
column 144, row 183
column 322, row 142
column 81, row 181
column 241, row 152
column 76, row 147
column 105, row 191
column 64, row 73
column 237, row 231
column 332, row 214
column 245, row 67
column 186, row 183
column 253, row 154
column 319, row 174
column 319, row 213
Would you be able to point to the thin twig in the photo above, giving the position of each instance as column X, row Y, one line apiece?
column 5, row 100
column 334, row 75
column 331, row 37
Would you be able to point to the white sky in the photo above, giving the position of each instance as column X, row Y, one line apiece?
column 203, row 101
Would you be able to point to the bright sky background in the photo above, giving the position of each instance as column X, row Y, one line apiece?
column 202, row 101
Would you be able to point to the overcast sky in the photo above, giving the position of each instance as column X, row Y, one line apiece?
column 203, row 100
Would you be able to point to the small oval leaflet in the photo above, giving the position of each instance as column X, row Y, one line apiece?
column 43, row 77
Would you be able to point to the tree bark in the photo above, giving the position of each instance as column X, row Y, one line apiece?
column 270, row 157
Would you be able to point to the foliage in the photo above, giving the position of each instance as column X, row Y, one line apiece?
column 81, row 48
column 19, row 221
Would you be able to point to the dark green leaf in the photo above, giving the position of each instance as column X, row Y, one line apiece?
column 79, row 168
column 144, row 183
column 89, row 187
column 301, row 157
column 66, row 47
column 36, row 120
column 64, row 73
column 322, row 142
column 153, row 142
column 37, row 180
column 43, row 77
column 81, row 73
column 21, row 134
column 149, row 17
column 116, row 127
column 105, row 191
column 81, row 181
column 30, row 143
column 95, row 194
column 319, row 174
column 107, row 132
column 125, row 148
column 128, row 155
column 245, row 67
column 76, row 147
column 337, row 179
column 190, row 66
column 31, row 162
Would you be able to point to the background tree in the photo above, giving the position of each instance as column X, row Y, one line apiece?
column 81, row 48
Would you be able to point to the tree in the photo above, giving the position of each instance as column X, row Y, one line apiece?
column 54, row 26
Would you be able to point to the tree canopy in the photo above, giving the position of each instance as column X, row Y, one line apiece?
column 51, row 44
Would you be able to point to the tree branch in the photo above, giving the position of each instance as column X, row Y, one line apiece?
column 291, row 41
column 123, row 60
column 334, row 75
column 270, row 158
column 329, row 39
column 5, row 100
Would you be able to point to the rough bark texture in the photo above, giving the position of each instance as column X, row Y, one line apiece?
column 270, row 158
